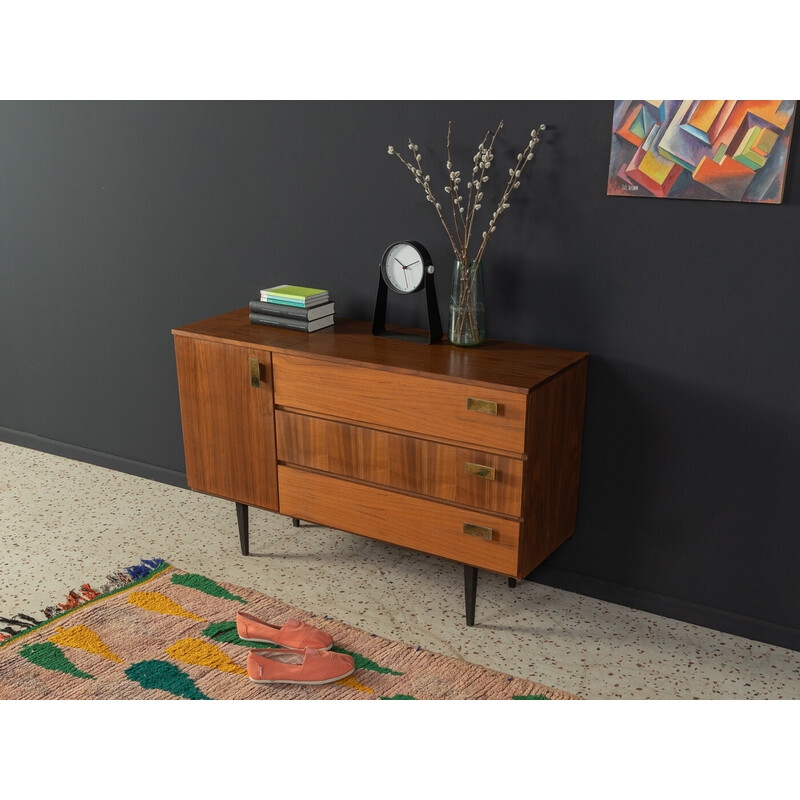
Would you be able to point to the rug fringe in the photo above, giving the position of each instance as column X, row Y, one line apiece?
column 21, row 622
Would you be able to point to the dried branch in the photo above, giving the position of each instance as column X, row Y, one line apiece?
column 485, row 163
column 463, row 220
column 452, row 190
column 425, row 185
column 513, row 183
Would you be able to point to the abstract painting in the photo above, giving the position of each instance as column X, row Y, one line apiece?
column 701, row 149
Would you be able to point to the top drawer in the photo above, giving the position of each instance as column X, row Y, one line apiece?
column 491, row 418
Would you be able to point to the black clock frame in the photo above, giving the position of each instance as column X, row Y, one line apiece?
column 427, row 283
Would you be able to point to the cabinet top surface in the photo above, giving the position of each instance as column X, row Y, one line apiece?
column 507, row 365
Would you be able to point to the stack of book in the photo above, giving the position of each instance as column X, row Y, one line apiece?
column 295, row 307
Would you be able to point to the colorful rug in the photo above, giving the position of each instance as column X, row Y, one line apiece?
column 156, row 632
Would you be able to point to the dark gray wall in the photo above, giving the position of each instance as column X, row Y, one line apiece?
column 119, row 221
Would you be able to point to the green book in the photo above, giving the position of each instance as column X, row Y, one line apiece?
column 295, row 294
column 267, row 298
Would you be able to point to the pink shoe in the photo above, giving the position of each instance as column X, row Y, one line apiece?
column 293, row 634
column 308, row 666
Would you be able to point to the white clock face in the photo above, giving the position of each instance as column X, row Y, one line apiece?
column 404, row 268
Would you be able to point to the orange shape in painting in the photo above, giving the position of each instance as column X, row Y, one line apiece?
column 768, row 110
column 728, row 178
column 721, row 120
column 706, row 113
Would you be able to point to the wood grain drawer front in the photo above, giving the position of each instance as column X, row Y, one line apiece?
column 423, row 525
column 491, row 418
column 463, row 476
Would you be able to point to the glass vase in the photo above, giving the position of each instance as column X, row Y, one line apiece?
column 467, row 319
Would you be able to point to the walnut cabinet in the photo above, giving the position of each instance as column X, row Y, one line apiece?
column 471, row 455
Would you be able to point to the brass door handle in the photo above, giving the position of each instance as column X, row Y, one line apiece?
column 477, row 530
column 479, row 471
column 255, row 373
column 482, row 406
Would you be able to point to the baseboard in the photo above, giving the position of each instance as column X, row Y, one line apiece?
column 127, row 465
column 671, row 607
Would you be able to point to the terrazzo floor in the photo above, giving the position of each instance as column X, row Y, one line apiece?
column 64, row 523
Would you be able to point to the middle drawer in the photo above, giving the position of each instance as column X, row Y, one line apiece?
column 461, row 475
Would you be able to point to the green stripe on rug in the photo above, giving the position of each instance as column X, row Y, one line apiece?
column 203, row 584
column 226, row 632
column 529, row 697
column 155, row 674
column 48, row 656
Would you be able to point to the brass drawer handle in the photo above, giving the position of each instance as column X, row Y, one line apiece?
column 255, row 373
column 479, row 471
column 483, row 406
column 477, row 530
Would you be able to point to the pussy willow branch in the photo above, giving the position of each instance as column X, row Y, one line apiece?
column 428, row 193
column 453, row 193
column 478, row 155
column 489, row 155
column 484, row 156
column 500, row 207
column 472, row 199
column 425, row 181
column 513, row 183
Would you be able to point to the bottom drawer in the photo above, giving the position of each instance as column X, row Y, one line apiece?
column 423, row 525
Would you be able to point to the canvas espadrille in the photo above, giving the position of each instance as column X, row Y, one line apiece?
column 309, row 666
column 293, row 634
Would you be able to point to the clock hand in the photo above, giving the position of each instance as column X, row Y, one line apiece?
column 412, row 264
column 400, row 262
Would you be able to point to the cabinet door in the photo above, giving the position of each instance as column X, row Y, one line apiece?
column 227, row 413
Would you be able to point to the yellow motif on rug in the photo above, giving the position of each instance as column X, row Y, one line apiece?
column 203, row 654
column 161, row 604
column 84, row 638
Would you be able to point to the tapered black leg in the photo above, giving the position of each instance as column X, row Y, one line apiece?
column 470, row 592
column 244, row 528
column 295, row 522
column 512, row 583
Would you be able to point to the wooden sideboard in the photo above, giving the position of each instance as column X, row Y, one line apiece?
column 469, row 454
